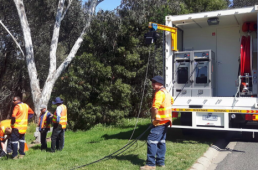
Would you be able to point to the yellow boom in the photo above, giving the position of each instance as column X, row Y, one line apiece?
column 173, row 31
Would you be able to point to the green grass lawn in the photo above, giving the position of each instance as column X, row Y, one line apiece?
column 83, row 147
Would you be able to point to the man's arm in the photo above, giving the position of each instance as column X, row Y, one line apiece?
column 15, row 112
column 58, row 113
column 154, row 111
column 49, row 115
column 158, row 98
column 30, row 113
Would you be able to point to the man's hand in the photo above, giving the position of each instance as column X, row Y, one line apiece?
column 154, row 111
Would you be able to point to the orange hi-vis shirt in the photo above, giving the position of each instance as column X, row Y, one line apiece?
column 3, row 125
column 158, row 102
column 20, row 113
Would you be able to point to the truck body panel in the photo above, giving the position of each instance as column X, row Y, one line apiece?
column 222, row 108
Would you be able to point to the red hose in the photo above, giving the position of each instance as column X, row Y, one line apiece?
column 245, row 56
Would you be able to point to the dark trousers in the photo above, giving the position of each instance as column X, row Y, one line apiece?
column 9, row 147
column 57, row 138
column 16, row 139
column 43, row 139
column 156, row 145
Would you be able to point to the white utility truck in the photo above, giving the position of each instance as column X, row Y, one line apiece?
column 212, row 72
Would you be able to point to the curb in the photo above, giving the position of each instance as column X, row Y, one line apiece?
column 205, row 161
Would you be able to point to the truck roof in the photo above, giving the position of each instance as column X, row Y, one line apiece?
column 236, row 16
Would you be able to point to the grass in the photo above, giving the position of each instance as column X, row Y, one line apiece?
column 83, row 147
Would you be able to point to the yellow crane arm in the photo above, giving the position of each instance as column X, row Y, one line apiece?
column 172, row 30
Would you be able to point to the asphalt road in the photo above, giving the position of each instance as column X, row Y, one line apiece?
column 242, row 156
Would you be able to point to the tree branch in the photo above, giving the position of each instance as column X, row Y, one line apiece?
column 49, row 84
column 12, row 37
column 55, row 37
column 78, row 42
column 99, row 1
column 69, row 4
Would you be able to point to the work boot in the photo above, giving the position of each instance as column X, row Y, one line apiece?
column 16, row 157
column 21, row 156
column 147, row 167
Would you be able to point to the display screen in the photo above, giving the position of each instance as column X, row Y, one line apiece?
column 182, row 75
column 201, row 75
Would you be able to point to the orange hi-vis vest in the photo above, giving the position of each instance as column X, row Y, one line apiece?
column 165, row 111
column 21, row 119
column 63, row 118
column 3, row 125
column 44, row 121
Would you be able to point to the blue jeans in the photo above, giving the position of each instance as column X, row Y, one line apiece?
column 156, row 145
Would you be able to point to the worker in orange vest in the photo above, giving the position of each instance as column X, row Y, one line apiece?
column 44, row 126
column 59, row 121
column 19, row 122
column 161, row 116
column 5, row 129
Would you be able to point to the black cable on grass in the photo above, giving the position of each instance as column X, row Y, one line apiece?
column 116, row 153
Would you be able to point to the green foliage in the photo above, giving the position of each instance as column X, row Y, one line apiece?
column 104, row 83
column 193, row 6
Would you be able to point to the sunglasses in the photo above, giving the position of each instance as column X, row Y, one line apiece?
column 14, row 100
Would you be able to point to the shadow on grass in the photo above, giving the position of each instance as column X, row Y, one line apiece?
column 174, row 135
column 134, row 159
column 127, row 134
column 36, row 147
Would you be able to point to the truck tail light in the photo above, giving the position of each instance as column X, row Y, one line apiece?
column 255, row 117
column 175, row 114
column 248, row 117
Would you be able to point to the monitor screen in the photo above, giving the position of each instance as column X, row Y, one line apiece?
column 182, row 75
column 201, row 75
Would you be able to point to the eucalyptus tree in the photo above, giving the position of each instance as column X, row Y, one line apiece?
column 42, row 95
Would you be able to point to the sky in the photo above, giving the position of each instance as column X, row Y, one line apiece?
column 112, row 4
column 108, row 4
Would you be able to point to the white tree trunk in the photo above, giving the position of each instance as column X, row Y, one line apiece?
column 44, row 96
column 34, row 81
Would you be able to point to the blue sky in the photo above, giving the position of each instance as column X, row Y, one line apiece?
column 111, row 4
column 108, row 4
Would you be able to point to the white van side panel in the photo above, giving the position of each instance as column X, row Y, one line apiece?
column 200, row 39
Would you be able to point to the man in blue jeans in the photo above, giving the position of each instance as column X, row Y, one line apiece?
column 161, row 117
